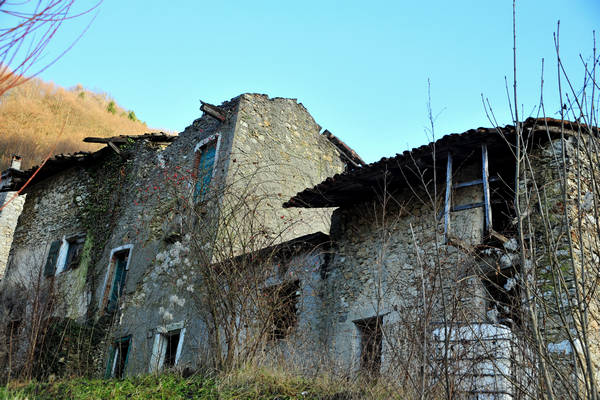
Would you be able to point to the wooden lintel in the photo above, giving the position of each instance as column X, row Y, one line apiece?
column 213, row 111
column 115, row 148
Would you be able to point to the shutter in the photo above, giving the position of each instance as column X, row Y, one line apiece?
column 111, row 361
column 50, row 267
column 205, row 170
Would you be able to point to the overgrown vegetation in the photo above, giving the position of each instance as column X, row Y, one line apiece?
column 246, row 383
column 33, row 115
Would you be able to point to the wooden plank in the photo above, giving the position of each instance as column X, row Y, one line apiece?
column 485, row 174
column 115, row 148
column 213, row 111
column 475, row 182
column 467, row 206
column 448, row 197
column 498, row 236
column 467, row 184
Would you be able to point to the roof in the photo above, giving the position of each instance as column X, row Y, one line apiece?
column 355, row 186
column 350, row 156
column 152, row 137
column 15, row 179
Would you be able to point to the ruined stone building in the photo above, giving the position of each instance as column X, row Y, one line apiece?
column 253, row 236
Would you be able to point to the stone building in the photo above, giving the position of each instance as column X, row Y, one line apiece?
column 208, row 249
column 94, row 225
column 428, row 279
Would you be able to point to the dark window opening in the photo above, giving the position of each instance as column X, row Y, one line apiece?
column 503, row 298
column 283, row 308
column 172, row 342
column 502, row 194
column 371, row 341
column 74, row 250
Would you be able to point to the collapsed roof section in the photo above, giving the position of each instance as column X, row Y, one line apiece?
column 13, row 179
column 422, row 163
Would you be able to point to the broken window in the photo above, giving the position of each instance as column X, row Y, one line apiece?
column 282, row 308
column 64, row 254
column 166, row 350
column 117, row 359
column 502, row 298
column 205, row 159
column 371, row 341
column 115, row 278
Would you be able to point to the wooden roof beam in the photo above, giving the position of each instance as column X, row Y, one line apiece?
column 213, row 111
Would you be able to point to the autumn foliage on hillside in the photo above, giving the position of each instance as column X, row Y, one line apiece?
column 32, row 116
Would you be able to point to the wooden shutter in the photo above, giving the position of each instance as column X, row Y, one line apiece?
column 50, row 267
column 205, row 170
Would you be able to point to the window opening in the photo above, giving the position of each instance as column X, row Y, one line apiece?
column 371, row 343
column 117, row 360
column 119, row 275
column 171, row 349
column 283, row 308
column 74, row 250
column 64, row 255
column 204, row 167
column 167, row 347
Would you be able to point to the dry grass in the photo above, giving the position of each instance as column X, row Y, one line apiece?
column 32, row 115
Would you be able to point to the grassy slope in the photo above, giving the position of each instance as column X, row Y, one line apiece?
column 32, row 116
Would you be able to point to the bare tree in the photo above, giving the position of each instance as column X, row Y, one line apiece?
column 33, row 24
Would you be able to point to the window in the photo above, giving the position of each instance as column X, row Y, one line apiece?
column 64, row 254
column 204, row 162
column 282, row 306
column 114, row 281
column 167, row 346
column 370, row 344
column 117, row 359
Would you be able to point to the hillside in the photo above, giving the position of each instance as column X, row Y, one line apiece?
column 32, row 115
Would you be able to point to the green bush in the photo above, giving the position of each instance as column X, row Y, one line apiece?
column 112, row 107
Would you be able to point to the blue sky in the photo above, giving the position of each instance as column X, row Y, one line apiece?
column 360, row 68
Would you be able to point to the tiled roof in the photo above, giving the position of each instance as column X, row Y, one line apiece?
column 357, row 185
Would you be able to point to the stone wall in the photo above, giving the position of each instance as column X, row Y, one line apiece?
column 278, row 151
column 52, row 211
column 8, row 222
column 562, row 208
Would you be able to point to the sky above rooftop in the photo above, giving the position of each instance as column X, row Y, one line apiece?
column 361, row 69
